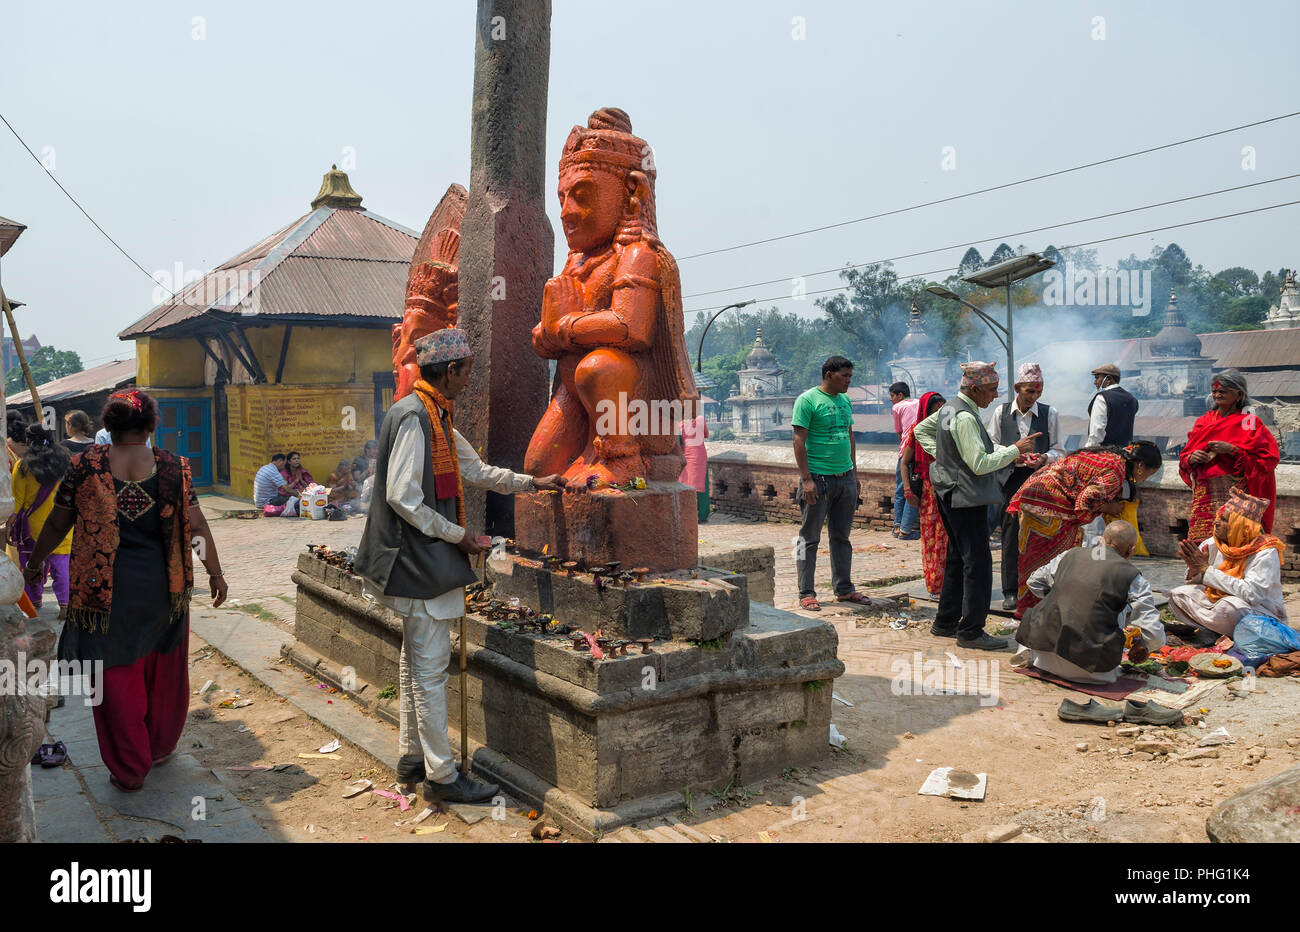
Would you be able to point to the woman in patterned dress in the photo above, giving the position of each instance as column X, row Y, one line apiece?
column 1227, row 448
column 1056, row 502
column 137, row 524
column 934, row 539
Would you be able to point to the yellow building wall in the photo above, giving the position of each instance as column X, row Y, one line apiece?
column 323, row 408
column 323, row 355
column 164, row 363
column 324, row 423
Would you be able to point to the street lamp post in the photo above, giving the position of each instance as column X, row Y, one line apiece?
column 700, row 352
column 1005, row 274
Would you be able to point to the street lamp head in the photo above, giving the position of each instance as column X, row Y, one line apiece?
column 942, row 292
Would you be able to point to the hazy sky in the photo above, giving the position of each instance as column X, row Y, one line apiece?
column 188, row 150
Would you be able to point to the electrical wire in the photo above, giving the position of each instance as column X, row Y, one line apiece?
column 998, row 187
column 986, row 239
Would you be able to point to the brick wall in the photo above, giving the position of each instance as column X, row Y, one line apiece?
column 762, row 482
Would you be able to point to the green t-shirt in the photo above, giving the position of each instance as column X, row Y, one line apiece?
column 828, row 420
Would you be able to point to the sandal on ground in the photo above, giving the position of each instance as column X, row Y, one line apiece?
column 123, row 787
column 165, row 758
column 51, row 755
column 857, row 598
column 810, row 603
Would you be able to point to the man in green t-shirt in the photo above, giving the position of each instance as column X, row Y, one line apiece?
column 827, row 457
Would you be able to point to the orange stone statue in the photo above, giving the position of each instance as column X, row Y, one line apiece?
column 612, row 319
column 431, row 287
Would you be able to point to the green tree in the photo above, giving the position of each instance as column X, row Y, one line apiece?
column 47, row 364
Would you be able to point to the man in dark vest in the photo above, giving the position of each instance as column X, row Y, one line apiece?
column 965, row 484
column 1110, row 422
column 1090, row 596
column 1010, row 422
column 1111, row 411
column 414, row 553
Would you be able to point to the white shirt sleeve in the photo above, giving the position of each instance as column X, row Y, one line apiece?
column 994, row 425
column 479, row 474
column 1262, row 574
column 1055, row 450
column 1097, row 421
column 1040, row 582
column 1142, row 612
column 405, row 491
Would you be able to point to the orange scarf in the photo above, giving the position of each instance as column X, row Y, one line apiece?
column 442, row 450
column 1245, row 539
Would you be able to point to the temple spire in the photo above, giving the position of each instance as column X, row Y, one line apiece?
column 336, row 191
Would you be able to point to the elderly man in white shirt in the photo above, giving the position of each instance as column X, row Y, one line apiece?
column 1236, row 572
column 1012, row 421
column 414, row 553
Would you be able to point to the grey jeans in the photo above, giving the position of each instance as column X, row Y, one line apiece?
column 837, row 499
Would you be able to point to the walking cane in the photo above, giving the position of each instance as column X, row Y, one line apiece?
column 464, row 697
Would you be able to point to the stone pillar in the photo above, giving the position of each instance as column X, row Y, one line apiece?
column 507, row 247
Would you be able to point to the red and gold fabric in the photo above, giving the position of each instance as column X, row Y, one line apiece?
column 442, row 451
column 934, row 537
column 1054, row 504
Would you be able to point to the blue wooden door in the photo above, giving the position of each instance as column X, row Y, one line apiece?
column 185, row 428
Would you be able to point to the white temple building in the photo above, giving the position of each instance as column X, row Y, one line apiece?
column 760, row 404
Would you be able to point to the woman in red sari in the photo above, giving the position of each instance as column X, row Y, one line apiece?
column 1056, row 502
column 934, row 539
column 1228, row 448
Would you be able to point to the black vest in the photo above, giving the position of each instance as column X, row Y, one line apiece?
column 1037, row 425
column 1078, row 621
column 393, row 554
column 1121, row 409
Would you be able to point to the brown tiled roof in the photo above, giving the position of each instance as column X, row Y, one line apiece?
column 86, row 382
column 330, row 263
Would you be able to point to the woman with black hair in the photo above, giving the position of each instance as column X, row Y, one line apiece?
column 35, row 478
column 138, row 525
column 15, row 436
column 1056, row 502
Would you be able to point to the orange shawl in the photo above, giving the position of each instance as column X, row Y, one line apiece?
column 442, row 449
column 1245, row 539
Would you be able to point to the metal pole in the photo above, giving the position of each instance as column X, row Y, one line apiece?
column 699, row 352
column 1011, row 351
column 22, row 357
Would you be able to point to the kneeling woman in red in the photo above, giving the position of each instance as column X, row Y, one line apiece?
column 1056, row 502
column 132, row 577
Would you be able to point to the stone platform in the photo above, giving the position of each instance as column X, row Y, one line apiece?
column 598, row 744
column 579, row 526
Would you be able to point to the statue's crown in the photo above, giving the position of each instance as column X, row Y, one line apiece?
column 607, row 141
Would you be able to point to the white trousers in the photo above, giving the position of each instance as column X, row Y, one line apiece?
column 1193, row 606
column 422, row 686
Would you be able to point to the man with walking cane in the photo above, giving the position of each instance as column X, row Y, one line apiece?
column 414, row 555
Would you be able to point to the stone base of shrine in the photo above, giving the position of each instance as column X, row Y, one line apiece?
column 658, row 526
column 601, row 743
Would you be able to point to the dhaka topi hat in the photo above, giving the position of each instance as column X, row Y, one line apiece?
column 1109, row 369
column 975, row 374
column 1248, row 506
column 1029, row 372
column 444, row 345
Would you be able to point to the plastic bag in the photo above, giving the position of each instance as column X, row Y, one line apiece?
column 1258, row 637
column 272, row 511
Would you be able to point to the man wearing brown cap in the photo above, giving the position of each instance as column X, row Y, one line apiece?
column 414, row 553
column 1111, row 411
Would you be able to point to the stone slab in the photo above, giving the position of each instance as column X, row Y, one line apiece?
column 656, row 528
column 683, row 608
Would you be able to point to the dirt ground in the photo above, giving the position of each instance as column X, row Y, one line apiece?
column 1038, row 777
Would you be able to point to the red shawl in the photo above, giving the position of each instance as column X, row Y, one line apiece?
column 1257, row 455
column 919, row 456
column 88, row 489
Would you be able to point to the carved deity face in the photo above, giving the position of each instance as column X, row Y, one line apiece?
column 591, row 205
